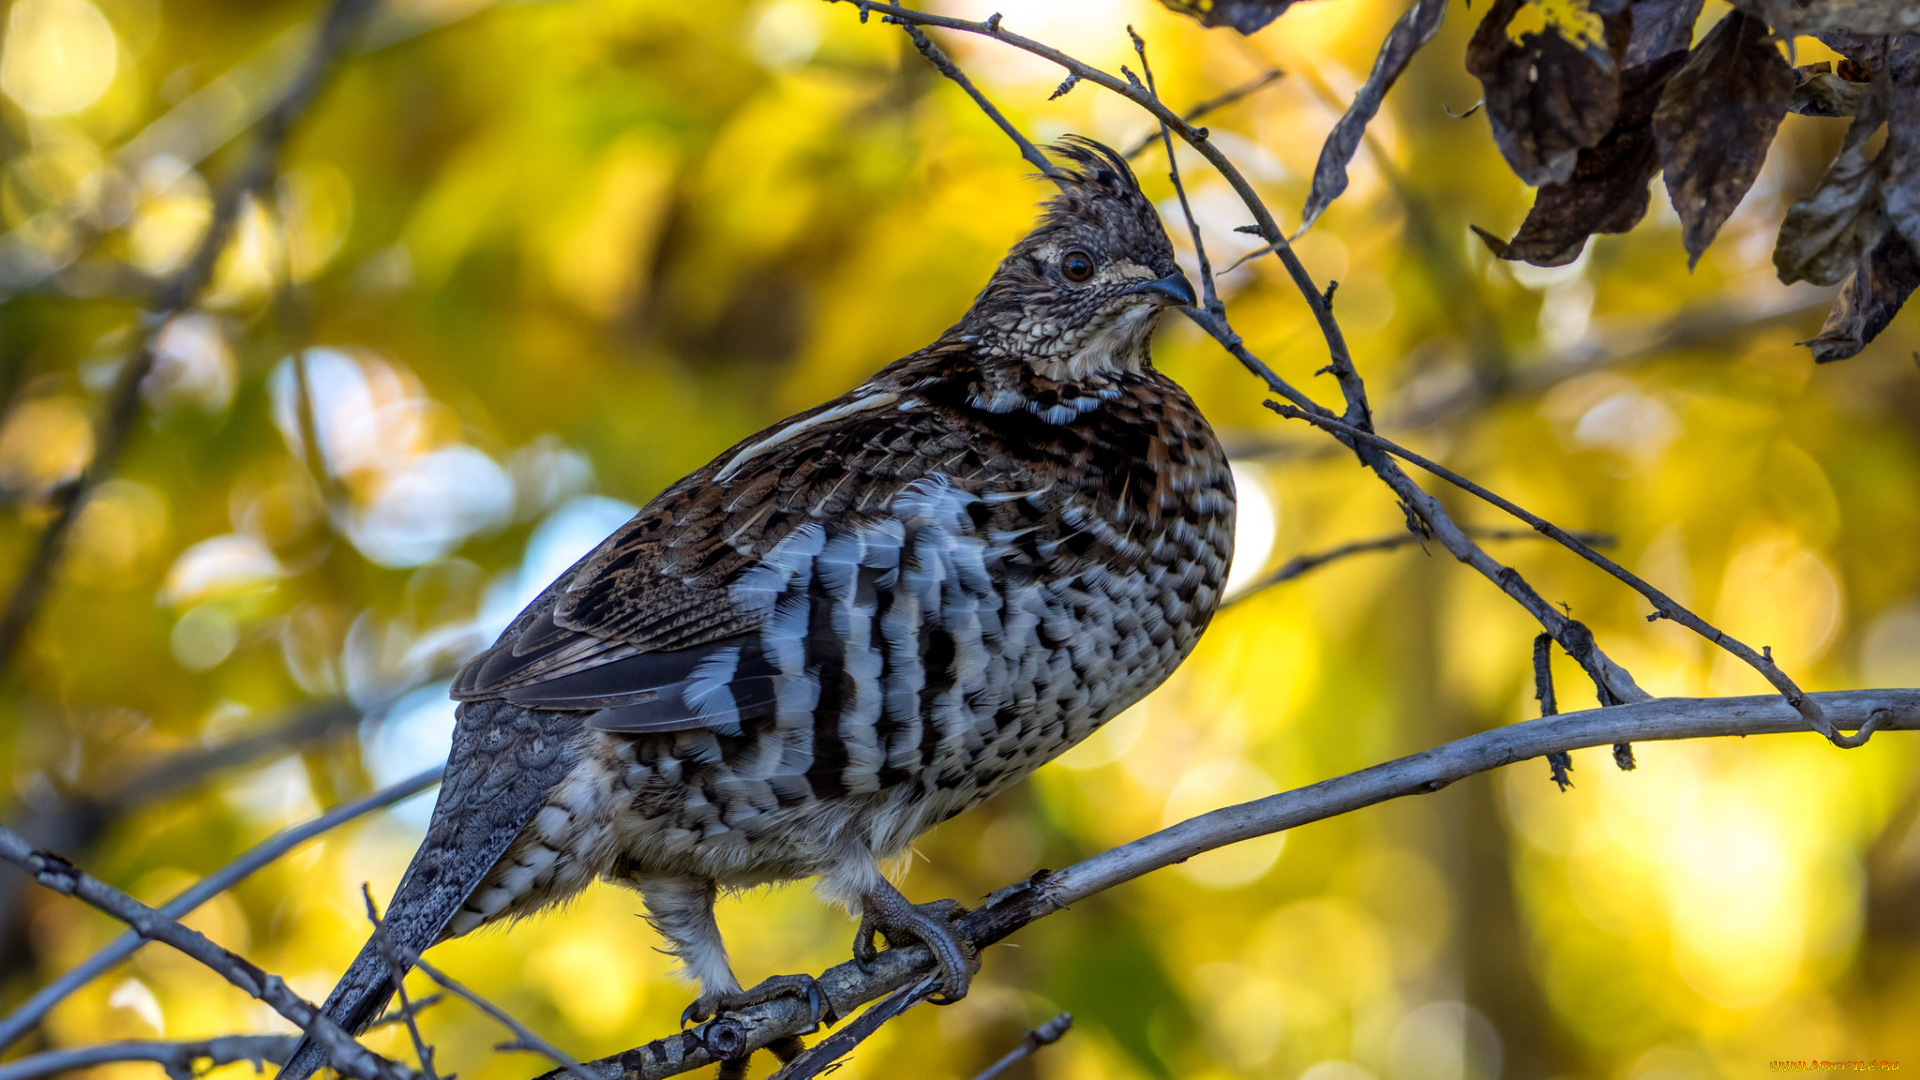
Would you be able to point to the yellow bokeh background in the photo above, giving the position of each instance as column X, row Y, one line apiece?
column 537, row 261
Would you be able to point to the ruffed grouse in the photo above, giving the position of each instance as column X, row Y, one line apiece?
column 850, row 626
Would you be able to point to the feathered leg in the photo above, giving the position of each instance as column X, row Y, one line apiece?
column 505, row 761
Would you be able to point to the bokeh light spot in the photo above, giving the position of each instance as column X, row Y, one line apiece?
column 59, row 55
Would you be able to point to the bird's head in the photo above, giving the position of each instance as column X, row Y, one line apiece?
column 1079, row 295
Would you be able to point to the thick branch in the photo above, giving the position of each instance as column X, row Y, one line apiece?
column 847, row 987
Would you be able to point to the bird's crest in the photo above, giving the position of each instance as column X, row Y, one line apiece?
column 1097, row 188
column 1092, row 173
column 1093, row 164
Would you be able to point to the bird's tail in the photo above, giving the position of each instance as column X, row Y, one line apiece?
column 505, row 761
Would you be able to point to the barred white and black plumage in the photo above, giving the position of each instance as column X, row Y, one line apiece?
column 853, row 625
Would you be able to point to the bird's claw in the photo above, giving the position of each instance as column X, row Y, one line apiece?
column 710, row 1005
column 932, row 925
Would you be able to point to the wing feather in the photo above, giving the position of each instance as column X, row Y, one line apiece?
column 661, row 627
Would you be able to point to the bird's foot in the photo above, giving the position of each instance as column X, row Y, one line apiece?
column 710, row 1005
column 931, row 924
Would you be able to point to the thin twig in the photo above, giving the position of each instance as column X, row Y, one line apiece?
column 527, row 1037
column 848, row 986
column 1045, row 1035
column 1665, row 607
column 1300, row 565
column 952, row 71
column 178, row 1058
column 180, row 292
column 397, row 973
column 30, row 1012
column 1559, row 763
column 395, row 1016
column 1211, row 105
column 1209, row 299
column 63, row 877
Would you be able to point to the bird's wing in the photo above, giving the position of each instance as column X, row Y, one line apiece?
column 658, row 629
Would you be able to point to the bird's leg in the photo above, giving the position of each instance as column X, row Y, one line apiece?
column 885, row 911
column 681, row 910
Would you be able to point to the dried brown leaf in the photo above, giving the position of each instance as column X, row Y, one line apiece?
column 1825, row 234
column 1860, row 16
column 1867, row 302
column 1660, row 28
column 1245, row 16
column 1899, row 55
column 1607, row 192
column 1715, row 122
column 1826, row 94
column 1547, row 98
column 1413, row 30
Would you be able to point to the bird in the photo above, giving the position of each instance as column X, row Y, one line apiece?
column 847, row 628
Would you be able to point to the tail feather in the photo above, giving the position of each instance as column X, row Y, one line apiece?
column 505, row 761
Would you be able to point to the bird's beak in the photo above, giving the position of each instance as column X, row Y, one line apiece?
column 1174, row 290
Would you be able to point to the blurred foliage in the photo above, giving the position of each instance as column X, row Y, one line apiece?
column 542, row 259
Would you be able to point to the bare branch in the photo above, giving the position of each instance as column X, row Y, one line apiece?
column 952, row 71
column 1300, row 565
column 178, row 1058
column 1209, row 299
column 1559, row 763
column 30, row 1013
column 525, row 1035
column 1665, row 607
column 56, row 873
column 180, row 292
column 1211, row 105
column 395, row 1016
column 1045, row 1035
column 847, row 986
column 397, row 972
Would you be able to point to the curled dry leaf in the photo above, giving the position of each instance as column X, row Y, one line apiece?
column 1413, row 30
column 1822, row 93
column 1547, row 98
column 1860, row 16
column 1881, row 282
column 1607, row 192
column 1825, row 234
column 1715, row 121
column 1660, row 28
column 1245, row 16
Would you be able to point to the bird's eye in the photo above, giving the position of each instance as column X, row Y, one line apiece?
column 1078, row 266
